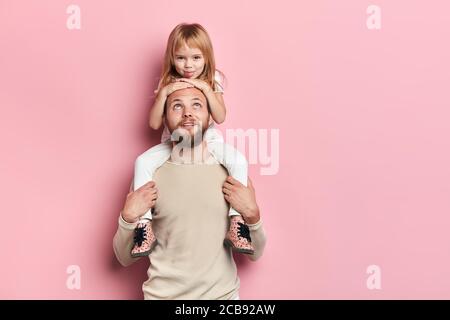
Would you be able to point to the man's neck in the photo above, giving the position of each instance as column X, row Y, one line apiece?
column 191, row 155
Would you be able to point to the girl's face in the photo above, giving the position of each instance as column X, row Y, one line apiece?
column 189, row 62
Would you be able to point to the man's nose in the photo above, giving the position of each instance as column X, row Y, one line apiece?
column 187, row 113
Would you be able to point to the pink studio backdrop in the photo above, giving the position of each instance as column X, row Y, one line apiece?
column 364, row 146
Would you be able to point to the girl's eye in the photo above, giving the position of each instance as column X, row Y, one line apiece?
column 180, row 58
column 197, row 57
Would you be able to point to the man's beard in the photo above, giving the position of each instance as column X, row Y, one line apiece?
column 186, row 144
column 184, row 139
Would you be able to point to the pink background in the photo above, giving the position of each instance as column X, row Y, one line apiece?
column 364, row 140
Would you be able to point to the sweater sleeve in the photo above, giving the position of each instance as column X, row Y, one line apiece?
column 258, row 236
column 123, row 242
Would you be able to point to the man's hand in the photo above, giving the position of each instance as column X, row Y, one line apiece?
column 242, row 199
column 139, row 202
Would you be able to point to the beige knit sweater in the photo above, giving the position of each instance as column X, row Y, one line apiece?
column 190, row 223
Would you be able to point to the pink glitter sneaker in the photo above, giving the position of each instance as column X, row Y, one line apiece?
column 238, row 236
column 144, row 239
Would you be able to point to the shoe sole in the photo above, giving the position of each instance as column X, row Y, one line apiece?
column 145, row 253
column 228, row 243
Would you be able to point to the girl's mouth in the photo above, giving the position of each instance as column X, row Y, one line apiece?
column 188, row 74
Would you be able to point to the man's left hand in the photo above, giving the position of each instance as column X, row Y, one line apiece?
column 242, row 199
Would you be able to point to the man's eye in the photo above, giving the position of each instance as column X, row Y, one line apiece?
column 177, row 106
column 197, row 105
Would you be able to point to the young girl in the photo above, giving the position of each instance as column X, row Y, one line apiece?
column 189, row 62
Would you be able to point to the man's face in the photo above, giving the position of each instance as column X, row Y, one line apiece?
column 187, row 110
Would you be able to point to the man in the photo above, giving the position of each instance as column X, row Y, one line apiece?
column 191, row 214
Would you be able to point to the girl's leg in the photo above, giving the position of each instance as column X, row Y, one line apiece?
column 238, row 235
column 233, row 160
column 146, row 165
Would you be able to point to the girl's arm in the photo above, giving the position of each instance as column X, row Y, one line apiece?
column 157, row 110
column 216, row 105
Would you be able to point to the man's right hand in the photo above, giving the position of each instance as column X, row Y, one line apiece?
column 139, row 202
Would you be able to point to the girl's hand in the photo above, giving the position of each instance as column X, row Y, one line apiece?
column 197, row 83
column 174, row 86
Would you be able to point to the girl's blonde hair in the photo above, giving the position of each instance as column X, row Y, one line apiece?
column 194, row 36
